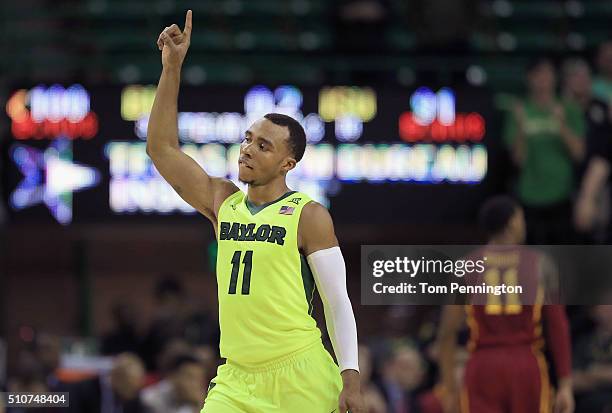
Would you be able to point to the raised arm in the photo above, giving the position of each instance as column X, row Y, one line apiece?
column 189, row 180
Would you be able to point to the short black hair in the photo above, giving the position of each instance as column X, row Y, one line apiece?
column 182, row 359
column 495, row 214
column 168, row 284
column 297, row 136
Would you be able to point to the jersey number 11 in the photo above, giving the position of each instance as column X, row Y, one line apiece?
column 246, row 275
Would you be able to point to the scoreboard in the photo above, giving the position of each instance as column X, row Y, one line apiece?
column 77, row 154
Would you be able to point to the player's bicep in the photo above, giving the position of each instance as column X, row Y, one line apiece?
column 191, row 182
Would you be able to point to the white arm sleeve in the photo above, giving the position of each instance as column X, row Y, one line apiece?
column 329, row 273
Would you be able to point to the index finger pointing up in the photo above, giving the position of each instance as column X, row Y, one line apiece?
column 187, row 30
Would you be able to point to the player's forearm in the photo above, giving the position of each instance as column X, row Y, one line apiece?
column 342, row 330
column 162, row 132
column 329, row 271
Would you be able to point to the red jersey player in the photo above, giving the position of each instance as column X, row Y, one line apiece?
column 507, row 371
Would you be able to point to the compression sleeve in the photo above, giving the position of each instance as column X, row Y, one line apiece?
column 329, row 272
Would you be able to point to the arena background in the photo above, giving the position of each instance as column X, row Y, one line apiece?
column 403, row 102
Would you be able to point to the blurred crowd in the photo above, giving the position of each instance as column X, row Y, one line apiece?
column 399, row 368
column 165, row 368
column 560, row 147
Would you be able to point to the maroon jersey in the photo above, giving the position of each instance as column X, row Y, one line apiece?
column 507, row 371
column 509, row 319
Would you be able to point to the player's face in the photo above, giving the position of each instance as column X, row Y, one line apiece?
column 264, row 153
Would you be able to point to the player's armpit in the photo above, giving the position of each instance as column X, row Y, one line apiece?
column 316, row 229
column 191, row 182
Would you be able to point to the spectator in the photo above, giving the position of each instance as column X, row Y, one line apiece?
column 117, row 392
column 166, row 356
column 174, row 319
column 592, row 207
column 124, row 336
column 30, row 377
column 432, row 401
column 602, row 86
column 402, row 375
column 168, row 322
column 209, row 359
column 545, row 137
column 182, row 391
column 47, row 350
column 373, row 399
column 593, row 365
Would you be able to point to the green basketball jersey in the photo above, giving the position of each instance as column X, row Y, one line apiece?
column 264, row 284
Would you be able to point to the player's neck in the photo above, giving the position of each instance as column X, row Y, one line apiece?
column 262, row 194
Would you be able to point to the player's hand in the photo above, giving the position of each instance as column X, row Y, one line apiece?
column 174, row 43
column 350, row 397
column 564, row 400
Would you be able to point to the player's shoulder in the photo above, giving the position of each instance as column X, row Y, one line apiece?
column 227, row 191
column 315, row 219
column 316, row 228
column 225, row 186
column 313, row 212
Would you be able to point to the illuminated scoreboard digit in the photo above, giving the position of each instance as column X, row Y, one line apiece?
column 52, row 112
column 339, row 101
column 433, row 118
column 137, row 101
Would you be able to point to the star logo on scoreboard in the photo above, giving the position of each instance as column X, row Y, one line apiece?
column 50, row 177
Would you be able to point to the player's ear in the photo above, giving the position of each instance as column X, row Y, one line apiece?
column 288, row 164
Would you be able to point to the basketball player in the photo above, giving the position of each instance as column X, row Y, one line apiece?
column 269, row 239
column 506, row 371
